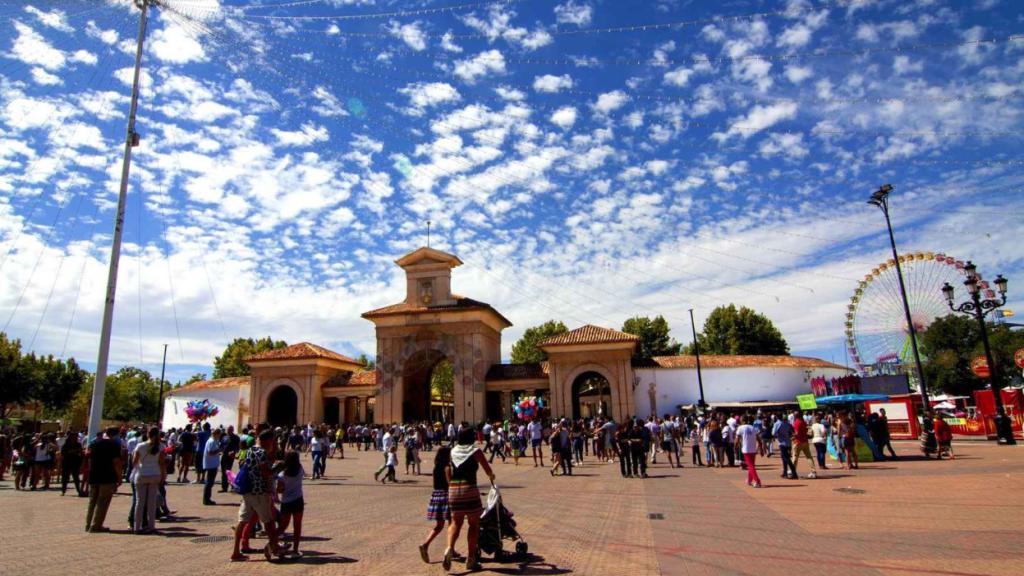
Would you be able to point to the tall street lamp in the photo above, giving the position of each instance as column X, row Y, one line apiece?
column 979, row 308
column 696, row 351
column 880, row 198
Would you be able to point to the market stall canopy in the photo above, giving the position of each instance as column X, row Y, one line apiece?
column 945, row 406
column 851, row 398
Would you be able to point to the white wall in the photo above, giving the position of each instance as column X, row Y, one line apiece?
column 677, row 386
column 225, row 398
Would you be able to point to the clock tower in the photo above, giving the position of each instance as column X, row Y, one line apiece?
column 428, row 275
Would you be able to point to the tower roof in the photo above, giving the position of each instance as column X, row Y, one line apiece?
column 427, row 255
column 589, row 334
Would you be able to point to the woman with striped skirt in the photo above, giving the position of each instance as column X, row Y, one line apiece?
column 464, row 496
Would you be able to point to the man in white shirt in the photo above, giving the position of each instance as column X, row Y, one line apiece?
column 535, row 430
column 654, row 430
column 211, row 464
column 746, row 444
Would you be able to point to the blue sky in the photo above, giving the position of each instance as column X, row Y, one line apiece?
column 588, row 160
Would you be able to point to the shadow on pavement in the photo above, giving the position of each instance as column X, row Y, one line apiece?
column 314, row 558
column 527, row 565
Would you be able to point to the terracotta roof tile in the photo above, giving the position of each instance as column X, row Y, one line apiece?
column 589, row 334
column 499, row 372
column 364, row 378
column 211, row 384
column 736, row 361
column 461, row 303
column 301, row 351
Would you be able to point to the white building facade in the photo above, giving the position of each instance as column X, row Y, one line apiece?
column 231, row 395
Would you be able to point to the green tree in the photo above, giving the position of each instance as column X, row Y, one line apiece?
column 442, row 384
column 654, row 338
column 365, row 361
column 18, row 375
column 57, row 382
column 525, row 350
column 952, row 341
column 129, row 395
column 197, row 377
column 232, row 362
column 729, row 330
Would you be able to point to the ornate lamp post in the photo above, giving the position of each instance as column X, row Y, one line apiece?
column 880, row 198
column 979, row 308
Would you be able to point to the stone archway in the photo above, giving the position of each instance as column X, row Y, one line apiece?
column 567, row 391
column 416, row 375
column 591, row 395
column 282, row 406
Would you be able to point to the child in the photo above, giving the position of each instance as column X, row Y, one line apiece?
column 289, row 484
column 438, row 510
column 391, row 463
column 517, row 444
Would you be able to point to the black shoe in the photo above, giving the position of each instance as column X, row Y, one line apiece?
column 209, row 503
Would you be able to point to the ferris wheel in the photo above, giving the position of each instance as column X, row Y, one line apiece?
column 876, row 327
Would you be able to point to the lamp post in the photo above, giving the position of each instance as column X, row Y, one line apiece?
column 880, row 198
column 979, row 308
column 696, row 351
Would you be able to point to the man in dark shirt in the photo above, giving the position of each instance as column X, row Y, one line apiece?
column 104, row 478
column 187, row 447
column 231, row 443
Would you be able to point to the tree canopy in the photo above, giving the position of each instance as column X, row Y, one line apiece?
column 729, row 330
column 952, row 341
column 365, row 361
column 525, row 350
column 654, row 338
column 232, row 362
column 27, row 378
column 130, row 395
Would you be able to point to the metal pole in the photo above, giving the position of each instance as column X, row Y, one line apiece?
column 993, row 376
column 696, row 352
column 160, row 401
column 906, row 309
column 131, row 139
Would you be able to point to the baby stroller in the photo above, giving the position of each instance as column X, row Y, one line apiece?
column 497, row 525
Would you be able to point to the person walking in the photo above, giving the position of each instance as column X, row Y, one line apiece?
column 437, row 509
column 695, row 442
column 293, row 504
column 104, row 478
column 464, row 497
column 186, row 451
column 637, row 451
column 819, row 440
column 255, row 489
column 149, row 470
column 211, row 452
column 536, row 431
column 746, row 445
column 801, row 444
column 717, row 442
column 318, row 449
column 71, row 463
column 943, row 438
column 783, row 433
column 230, row 444
column 884, row 436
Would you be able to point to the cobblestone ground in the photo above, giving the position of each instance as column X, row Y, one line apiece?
column 909, row 516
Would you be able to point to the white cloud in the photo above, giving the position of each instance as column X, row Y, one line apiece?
column 497, row 24
column 797, row 74
column 564, row 117
column 786, row 145
column 483, row 64
column 511, row 94
column 108, row 37
column 410, row 33
column 551, row 83
column 309, row 134
column 448, row 43
column 32, row 48
column 44, row 78
column 609, row 102
column 759, row 118
column 84, row 57
column 424, row 95
column 903, row 64
column 55, row 19
column 327, row 104
column 678, row 77
column 173, row 44
column 573, row 13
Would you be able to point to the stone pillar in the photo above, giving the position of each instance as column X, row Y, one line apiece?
column 506, row 404
column 361, row 402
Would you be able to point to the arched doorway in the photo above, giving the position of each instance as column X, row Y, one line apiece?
column 282, row 406
column 416, row 380
column 591, row 395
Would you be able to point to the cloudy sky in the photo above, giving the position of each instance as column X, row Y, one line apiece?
column 589, row 160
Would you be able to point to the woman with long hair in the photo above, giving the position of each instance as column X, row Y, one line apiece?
column 464, row 496
column 71, row 463
column 293, row 503
column 149, row 470
column 437, row 509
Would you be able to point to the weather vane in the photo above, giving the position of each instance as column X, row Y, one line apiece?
column 428, row 233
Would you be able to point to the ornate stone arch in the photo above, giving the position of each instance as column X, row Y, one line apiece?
column 565, row 390
column 300, row 395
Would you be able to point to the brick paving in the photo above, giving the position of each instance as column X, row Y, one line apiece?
column 907, row 517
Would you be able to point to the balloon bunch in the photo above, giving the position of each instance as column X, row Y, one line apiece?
column 528, row 407
column 199, row 410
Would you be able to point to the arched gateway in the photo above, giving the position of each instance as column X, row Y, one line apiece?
column 430, row 325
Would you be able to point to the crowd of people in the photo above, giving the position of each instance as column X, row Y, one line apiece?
column 263, row 464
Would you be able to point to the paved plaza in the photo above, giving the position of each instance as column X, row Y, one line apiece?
column 911, row 516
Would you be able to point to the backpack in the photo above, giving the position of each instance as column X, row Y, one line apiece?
column 243, row 480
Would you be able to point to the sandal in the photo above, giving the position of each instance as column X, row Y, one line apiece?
column 446, row 563
column 424, row 554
